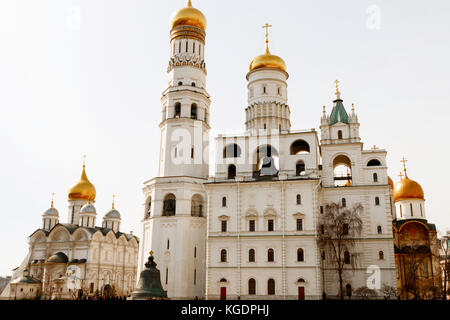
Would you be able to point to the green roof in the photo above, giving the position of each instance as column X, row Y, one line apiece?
column 338, row 114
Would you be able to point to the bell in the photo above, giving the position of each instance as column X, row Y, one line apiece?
column 268, row 168
column 149, row 285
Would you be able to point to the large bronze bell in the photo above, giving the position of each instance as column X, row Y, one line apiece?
column 268, row 168
column 149, row 285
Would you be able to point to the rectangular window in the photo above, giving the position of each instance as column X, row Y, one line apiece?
column 321, row 209
column 299, row 224
column 195, row 277
column 224, row 226
column 167, row 275
column 251, row 225
column 270, row 225
column 91, row 289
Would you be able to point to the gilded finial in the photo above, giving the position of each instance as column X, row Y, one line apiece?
column 189, row 4
column 84, row 160
column 374, row 147
column 151, row 252
column 401, row 176
column 267, row 26
column 337, row 86
column 353, row 107
column 324, row 107
column 114, row 198
column 404, row 161
column 53, row 198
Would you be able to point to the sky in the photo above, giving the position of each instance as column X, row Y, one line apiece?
column 85, row 77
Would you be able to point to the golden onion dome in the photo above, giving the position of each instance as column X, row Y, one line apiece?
column 267, row 60
column 408, row 189
column 391, row 182
column 83, row 189
column 188, row 16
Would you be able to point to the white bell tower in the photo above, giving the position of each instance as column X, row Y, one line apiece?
column 174, row 222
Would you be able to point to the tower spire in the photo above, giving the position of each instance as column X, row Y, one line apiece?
column 113, row 200
column 189, row 4
column 267, row 26
column 338, row 93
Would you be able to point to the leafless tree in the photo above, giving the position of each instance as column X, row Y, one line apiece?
column 444, row 259
column 338, row 229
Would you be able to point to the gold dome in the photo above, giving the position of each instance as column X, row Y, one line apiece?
column 408, row 189
column 188, row 16
column 391, row 182
column 267, row 60
column 83, row 189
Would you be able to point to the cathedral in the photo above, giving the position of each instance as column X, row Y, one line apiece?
column 251, row 230
column 77, row 258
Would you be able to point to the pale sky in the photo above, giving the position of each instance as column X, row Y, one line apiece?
column 85, row 77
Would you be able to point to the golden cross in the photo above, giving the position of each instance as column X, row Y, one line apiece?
column 337, row 85
column 53, row 198
column 84, row 160
column 404, row 163
column 267, row 26
column 151, row 252
column 114, row 198
column 374, row 147
column 401, row 176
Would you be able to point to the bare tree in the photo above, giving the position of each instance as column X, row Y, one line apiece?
column 444, row 259
column 338, row 229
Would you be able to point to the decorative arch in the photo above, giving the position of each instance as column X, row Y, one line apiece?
column 373, row 163
column 300, row 168
column 169, row 205
column 299, row 147
column 81, row 234
column 59, row 234
column 231, row 172
column 342, row 169
column 197, row 205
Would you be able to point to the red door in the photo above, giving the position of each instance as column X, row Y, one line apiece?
column 223, row 293
column 301, row 293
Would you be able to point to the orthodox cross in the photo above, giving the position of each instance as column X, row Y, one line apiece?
column 267, row 26
column 53, row 198
column 337, row 85
column 374, row 147
column 114, row 198
column 404, row 161
column 401, row 176
column 84, row 160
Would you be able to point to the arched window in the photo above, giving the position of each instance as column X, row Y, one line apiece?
column 223, row 280
column 299, row 147
column 271, row 287
column 231, row 171
column 148, row 207
column 251, row 255
column 379, row 230
column 377, row 201
column 270, row 255
column 300, row 255
column 224, row 201
column 264, row 89
column 193, row 84
column 375, row 177
column 347, row 257
column 251, row 225
column 381, row 255
column 197, row 206
column 344, row 202
column 342, row 170
column 232, row 151
column 251, row 286
column 421, row 210
column 323, row 254
column 224, row 225
column 374, row 163
column 223, row 255
column 177, row 110
column 194, row 111
column 340, row 134
column 180, row 83
column 279, row 91
column 299, row 199
column 300, row 168
column 169, row 207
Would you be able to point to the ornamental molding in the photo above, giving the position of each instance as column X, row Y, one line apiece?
column 187, row 59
